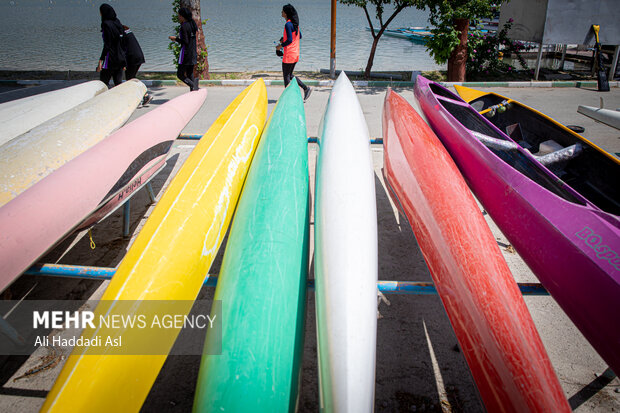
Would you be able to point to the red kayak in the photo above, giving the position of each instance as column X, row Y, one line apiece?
column 492, row 323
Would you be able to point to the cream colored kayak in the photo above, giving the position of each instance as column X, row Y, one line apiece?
column 20, row 115
column 30, row 157
column 169, row 259
column 607, row 116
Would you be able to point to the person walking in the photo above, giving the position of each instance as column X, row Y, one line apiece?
column 112, row 60
column 290, row 43
column 187, row 56
column 135, row 58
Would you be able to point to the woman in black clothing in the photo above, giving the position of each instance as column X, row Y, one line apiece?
column 135, row 58
column 112, row 60
column 133, row 53
column 187, row 56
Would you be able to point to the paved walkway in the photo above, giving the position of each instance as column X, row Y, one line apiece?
column 558, row 103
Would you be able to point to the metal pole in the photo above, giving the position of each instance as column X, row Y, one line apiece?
column 375, row 141
column 614, row 64
column 564, row 46
column 540, row 50
column 311, row 139
column 386, row 287
column 11, row 333
column 149, row 188
column 126, row 215
column 332, row 54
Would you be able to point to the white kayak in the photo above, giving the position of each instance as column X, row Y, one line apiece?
column 607, row 116
column 345, row 256
column 30, row 157
column 20, row 115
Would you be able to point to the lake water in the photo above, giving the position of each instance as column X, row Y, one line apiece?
column 65, row 35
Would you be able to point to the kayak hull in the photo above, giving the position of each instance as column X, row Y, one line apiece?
column 570, row 245
column 80, row 192
column 30, row 157
column 492, row 323
column 20, row 115
column 345, row 255
column 262, row 280
column 170, row 257
column 607, row 116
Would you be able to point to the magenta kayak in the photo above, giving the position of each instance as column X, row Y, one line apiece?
column 569, row 243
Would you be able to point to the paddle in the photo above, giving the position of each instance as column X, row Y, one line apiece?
column 603, row 83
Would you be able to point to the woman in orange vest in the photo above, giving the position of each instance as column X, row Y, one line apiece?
column 290, row 43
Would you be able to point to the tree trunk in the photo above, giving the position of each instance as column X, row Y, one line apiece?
column 376, row 37
column 202, row 68
column 458, row 59
column 372, row 56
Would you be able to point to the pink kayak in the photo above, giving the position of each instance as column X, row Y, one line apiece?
column 84, row 190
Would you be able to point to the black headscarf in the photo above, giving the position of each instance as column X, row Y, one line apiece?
column 187, row 15
column 291, row 14
column 108, row 13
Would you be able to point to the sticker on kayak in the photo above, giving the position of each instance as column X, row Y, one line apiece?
column 240, row 157
column 603, row 252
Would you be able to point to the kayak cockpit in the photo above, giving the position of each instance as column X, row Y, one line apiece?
column 509, row 151
column 578, row 163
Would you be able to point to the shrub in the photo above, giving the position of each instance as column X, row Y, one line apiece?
column 486, row 51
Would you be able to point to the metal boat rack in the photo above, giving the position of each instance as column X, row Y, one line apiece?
column 385, row 287
column 106, row 273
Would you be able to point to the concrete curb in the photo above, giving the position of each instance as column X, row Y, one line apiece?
column 386, row 83
column 329, row 83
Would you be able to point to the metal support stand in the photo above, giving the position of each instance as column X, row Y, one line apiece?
column 311, row 139
column 538, row 59
column 386, row 287
column 9, row 331
column 564, row 47
column 594, row 65
column 149, row 189
column 614, row 64
column 126, row 216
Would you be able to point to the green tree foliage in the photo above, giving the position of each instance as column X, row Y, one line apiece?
column 174, row 46
column 446, row 44
column 486, row 51
column 379, row 8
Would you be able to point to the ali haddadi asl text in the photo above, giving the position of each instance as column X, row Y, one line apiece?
column 97, row 341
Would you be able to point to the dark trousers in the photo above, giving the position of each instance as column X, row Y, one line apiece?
column 131, row 71
column 115, row 74
column 287, row 71
column 186, row 74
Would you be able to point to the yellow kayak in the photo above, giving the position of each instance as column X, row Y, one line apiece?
column 169, row 259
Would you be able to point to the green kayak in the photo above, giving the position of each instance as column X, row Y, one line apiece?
column 262, row 281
